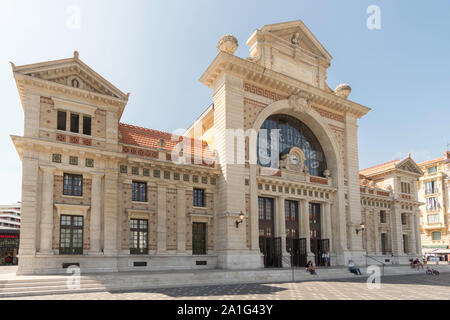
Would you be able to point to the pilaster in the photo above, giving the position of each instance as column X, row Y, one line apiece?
column 46, row 225
column 96, row 203
column 30, row 204
column 326, row 226
column 396, row 230
column 354, row 199
column 161, row 231
column 304, row 226
column 111, row 208
column 181, row 219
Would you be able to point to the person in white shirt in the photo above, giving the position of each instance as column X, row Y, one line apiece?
column 352, row 268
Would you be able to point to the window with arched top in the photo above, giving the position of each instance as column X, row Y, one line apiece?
column 291, row 133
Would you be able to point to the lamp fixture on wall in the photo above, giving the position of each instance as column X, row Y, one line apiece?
column 361, row 228
column 241, row 219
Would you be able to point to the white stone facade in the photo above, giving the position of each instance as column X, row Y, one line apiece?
column 107, row 166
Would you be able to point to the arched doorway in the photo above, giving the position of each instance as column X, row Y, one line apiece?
column 315, row 138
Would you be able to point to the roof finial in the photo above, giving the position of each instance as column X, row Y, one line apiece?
column 409, row 155
column 75, row 54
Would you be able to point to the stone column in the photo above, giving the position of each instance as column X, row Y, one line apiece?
column 304, row 227
column 254, row 211
column 326, row 224
column 376, row 238
column 417, row 229
column 396, row 231
column 412, row 240
column 280, row 230
column 47, row 210
column 96, row 213
column 161, row 231
column 181, row 219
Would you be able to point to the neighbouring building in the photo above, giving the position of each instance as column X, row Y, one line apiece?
column 9, row 232
column 434, row 192
column 10, row 216
column 267, row 176
column 390, row 211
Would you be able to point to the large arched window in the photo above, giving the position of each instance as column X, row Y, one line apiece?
column 292, row 133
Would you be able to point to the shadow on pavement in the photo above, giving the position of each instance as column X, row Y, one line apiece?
column 212, row 290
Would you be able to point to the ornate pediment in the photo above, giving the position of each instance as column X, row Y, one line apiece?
column 73, row 73
column 408, row 164
column 291, row 49
column 296, row 34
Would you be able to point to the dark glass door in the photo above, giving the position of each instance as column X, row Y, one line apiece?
column 383, row 243
column 315, row 230
column 198, row 238
column 268, row 244
column 295, row 246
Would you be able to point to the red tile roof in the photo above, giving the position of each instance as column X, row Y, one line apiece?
column 149, row 138
column 379, row 167
column 431, row 161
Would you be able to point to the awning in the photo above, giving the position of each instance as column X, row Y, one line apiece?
column 442, row 251
column 436, row 251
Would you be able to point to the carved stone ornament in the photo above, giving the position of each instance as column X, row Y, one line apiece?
column 343, row 90
column 300, row 103
column 295, row 39
column 228, row 43
column 75, row 82
column 294, row 160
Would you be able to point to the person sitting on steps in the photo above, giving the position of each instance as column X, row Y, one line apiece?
column 310, row 267
column 352, row 268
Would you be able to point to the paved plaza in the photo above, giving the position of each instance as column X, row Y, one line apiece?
column 415, row 286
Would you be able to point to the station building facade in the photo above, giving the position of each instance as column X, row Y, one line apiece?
column 267, row 176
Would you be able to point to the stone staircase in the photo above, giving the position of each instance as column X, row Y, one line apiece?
column 45, row 286
column 19, row 286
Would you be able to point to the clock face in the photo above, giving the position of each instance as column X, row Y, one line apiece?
column 294, row 159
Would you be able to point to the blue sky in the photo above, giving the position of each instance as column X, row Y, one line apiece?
column 157, row 50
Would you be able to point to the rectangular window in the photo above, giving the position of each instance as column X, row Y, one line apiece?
column 404, row 218
column 71, row 235
column 138, row 236
column 433, row 204
column 382, row 216
column 433, row 218
column 139, row 191
column 198, row 238
column 74, row 122
column 431, row 187
column 62, row 120
column 436, row 236
column 291, row 220
column 406, row 187
column 199, row 197
column 432, row 169
column 87, row 125
column 73, row 185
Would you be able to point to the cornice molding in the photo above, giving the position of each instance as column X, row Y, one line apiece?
column 26, row 82
column 283, row 84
